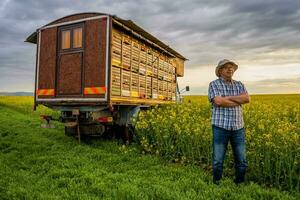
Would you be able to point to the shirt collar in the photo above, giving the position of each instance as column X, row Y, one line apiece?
column 222, row 79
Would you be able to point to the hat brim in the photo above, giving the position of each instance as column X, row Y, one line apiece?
column 219, row 67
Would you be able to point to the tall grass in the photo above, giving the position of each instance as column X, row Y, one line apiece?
column 25, row 105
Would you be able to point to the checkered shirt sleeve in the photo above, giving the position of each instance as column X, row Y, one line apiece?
column 230, row 118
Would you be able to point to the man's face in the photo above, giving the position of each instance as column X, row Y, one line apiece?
column 227, row 71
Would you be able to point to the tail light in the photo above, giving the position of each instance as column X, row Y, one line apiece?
column 105, row 119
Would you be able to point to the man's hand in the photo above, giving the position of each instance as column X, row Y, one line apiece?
column 224, row 102
column 241, row 99
column 231, row 101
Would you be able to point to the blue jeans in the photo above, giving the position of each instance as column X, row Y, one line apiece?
column 220, row 141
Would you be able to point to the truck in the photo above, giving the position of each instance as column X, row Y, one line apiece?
column 100, row 70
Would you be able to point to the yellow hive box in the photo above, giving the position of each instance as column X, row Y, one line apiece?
column 134, row 94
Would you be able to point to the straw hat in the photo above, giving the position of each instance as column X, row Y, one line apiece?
column 224, row 62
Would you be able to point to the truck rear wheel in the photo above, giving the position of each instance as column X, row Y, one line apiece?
column 70, row 131
column 87, row 129
column 127, row 134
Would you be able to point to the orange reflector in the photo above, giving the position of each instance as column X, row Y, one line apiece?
column 45, row 92
column 94, row 90
column 105, row 119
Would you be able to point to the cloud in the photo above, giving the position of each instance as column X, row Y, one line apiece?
column 269, row 86
column 276, row 78
column 251, row 32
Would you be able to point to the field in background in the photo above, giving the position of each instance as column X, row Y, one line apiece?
column 45, row 164
column 25, row 106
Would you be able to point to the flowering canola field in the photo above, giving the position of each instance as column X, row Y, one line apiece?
column 182, row 133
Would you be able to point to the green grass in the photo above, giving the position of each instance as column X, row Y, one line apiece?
column 38, row 163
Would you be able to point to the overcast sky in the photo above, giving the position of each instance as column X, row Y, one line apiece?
column 263, row 37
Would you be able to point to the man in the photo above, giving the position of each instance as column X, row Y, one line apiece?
column 227, row 96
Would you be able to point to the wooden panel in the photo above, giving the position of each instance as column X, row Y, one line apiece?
column 47, row 64
column 135, row 54
column 179, row 64
column 126, row 51
column 154, row 88
column 125, row 82
column 116, row 48
column 69, row 74
column 148, row 87
column 134, row 84
column 95, row 50
column 138, row 101
column 151, row 73
column 116, row 81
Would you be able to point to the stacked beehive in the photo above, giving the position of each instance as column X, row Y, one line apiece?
column 135, row 56
column 140, row 71
column 126, row 51
column 143, row 59
column 116, row 63
column 134, row 84
column 155, row 59
column 149, row 87
column 155, row 63
column 154, row 88
column 142, row 86
column 116, row 48
column 126, row 63
column 149, row 62
column 161, row 62
column 125, row 83
column 116, row 81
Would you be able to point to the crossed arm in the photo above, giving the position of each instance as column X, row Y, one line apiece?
column 231, row 101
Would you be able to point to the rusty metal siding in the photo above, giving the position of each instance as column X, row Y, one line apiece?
column 95, row 54
column 103, row 46
column 69, row 74
column 47, row 64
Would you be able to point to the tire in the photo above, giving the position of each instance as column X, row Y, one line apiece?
column 127, row 134
column 92, row 129
column 71, row 131
column 85, row 130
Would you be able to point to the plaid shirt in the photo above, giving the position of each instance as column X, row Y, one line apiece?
column 229, row 118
